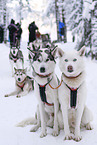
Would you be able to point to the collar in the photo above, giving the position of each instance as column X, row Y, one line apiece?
column 21, row 84
column 14, row 58
column 49, row 80
column 72, row 77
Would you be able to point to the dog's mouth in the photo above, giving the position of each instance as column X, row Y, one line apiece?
column 43, row 76
column 72, row 77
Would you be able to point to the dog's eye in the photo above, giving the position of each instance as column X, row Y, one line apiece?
column 74, row 59
column 17, row 74
column 47, row 60
column 39, row 60
column 21, row 74
column 66, row 60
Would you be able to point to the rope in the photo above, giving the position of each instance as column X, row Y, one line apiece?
column 57, row 86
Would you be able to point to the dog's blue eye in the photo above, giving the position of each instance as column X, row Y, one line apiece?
column 66, row 60
column 74, row 59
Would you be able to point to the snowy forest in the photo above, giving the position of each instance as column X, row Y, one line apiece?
column 77, row 16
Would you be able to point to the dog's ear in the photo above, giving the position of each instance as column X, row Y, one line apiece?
column 54, row 51
column 25, row 69
column 82, row 51
column 60, row 52
column 15, row 69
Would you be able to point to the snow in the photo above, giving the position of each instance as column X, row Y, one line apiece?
column 14, row 110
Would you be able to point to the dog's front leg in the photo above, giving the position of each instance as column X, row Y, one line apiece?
column 12, row 93
column 25, row 91
column 66, row 123
column 79, row 113
column 55, row 128
column 43, row 122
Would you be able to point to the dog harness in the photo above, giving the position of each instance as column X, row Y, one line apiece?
column 73, row 96
column 21, row 86
column 13, row 58
column 43, row 94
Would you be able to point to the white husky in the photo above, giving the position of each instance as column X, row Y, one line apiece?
column 43, row 63
column 16, row 58
column 72, row 93
column 23, row 83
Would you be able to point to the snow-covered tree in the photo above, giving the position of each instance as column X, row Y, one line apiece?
column 94, row 24
column 74, row 18
column 3, row 17
column 57, row 9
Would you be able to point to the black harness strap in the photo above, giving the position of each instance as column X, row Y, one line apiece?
column 73, row 96
column 43, row 94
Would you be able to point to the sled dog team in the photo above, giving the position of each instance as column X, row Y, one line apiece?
column 61, row 105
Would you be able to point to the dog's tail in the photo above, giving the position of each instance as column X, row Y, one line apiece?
column 26, row 122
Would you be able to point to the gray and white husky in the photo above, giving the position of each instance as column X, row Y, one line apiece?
column 72, row 94
column 23, row 83
column 16, row 58
column 43, row 61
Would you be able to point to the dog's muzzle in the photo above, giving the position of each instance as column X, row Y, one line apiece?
column 70, row 68
column 42, row 69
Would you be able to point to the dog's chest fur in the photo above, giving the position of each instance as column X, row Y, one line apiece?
column 78, row 84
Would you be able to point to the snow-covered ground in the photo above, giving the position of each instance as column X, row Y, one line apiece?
column 13, row 110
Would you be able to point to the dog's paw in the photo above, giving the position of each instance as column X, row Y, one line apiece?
column 6, row 95
column 18, row 96
column 43, row 134
column 34, row 129
column 77, row 138
column 89, row 126
column 68, row 137
column 55, row 133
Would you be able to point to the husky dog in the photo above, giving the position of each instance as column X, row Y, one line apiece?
column 72, row 93
column 16, row 58
column 43, row 63
column 23, row 83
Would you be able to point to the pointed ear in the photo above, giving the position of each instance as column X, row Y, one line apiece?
column 15, row 69
column 60, row 52
column 54, row 51
column 25, row 70
column 82, row 51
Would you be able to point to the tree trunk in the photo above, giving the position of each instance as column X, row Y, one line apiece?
column 57, row 19
column 65, row 28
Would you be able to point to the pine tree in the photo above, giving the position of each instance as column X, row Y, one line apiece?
column 3, row 17
column 94, row 24
column 74, row 18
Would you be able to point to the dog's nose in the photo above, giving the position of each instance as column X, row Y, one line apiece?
column 70, row 68
column 19, row 79
column 42, row 69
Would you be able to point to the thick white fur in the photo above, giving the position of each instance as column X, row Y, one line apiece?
column 27, row 86
column 51, row 95
column 18, row 64
column 80, row 115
